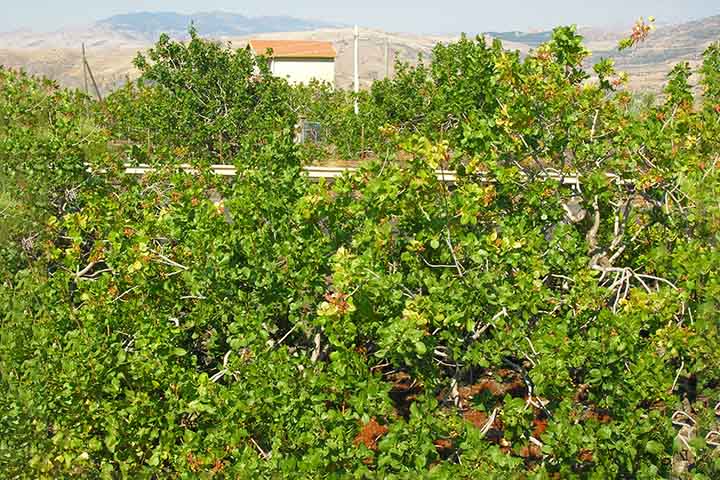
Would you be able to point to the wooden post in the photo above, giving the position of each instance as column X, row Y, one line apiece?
column 362, row 142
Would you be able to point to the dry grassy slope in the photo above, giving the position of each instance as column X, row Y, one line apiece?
column 57, row 54
column 111, row 67
column 110, row 52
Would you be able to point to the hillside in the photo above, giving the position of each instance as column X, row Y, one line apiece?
column 110, row 52
column 113, row 42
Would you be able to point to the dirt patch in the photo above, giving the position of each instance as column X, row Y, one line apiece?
column 369, row 434
column 504, row 382
column 477, row 418
column 404, row 391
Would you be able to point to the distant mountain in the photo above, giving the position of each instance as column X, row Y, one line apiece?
column 217, row 24
column 530, row 39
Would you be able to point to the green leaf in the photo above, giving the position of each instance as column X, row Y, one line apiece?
column 654, row 447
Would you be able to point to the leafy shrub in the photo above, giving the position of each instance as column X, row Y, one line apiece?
column 386, row 325
column 711, row 75
column 201, row 101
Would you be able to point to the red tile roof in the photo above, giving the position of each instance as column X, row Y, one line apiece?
column 293, row 48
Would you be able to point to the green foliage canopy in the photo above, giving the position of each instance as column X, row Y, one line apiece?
column 387, row 325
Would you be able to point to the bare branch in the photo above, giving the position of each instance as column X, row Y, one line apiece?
column 432, row 265
column 124, row 293
column 169, row 262
column 482, row 330
column 264, row 455
column 677, row 419
column 594, row 124
column 677, row 377
column 94, row 275
column 85, row 270
column 459, row 267
column 591, row 236
column 713, row 438
column 294, row 327
column 658, row 279
column 488, row 425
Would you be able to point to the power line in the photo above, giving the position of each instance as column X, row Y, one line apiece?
column 356, row 64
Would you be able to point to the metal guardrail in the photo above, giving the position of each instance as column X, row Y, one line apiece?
column 329, row 173
column 314, row 173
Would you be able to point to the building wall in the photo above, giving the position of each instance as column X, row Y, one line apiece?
column 302, row 70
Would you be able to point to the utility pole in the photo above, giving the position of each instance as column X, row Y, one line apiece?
column 85, row 75
column 357, row 68
column 88, row 71
column 387, row 57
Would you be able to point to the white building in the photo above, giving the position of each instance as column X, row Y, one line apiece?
column 297, row 60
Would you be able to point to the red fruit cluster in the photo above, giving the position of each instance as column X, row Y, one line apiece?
column 640, row 31
column 339, row 300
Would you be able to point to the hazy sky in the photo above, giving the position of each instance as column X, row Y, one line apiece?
column 421, row 16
